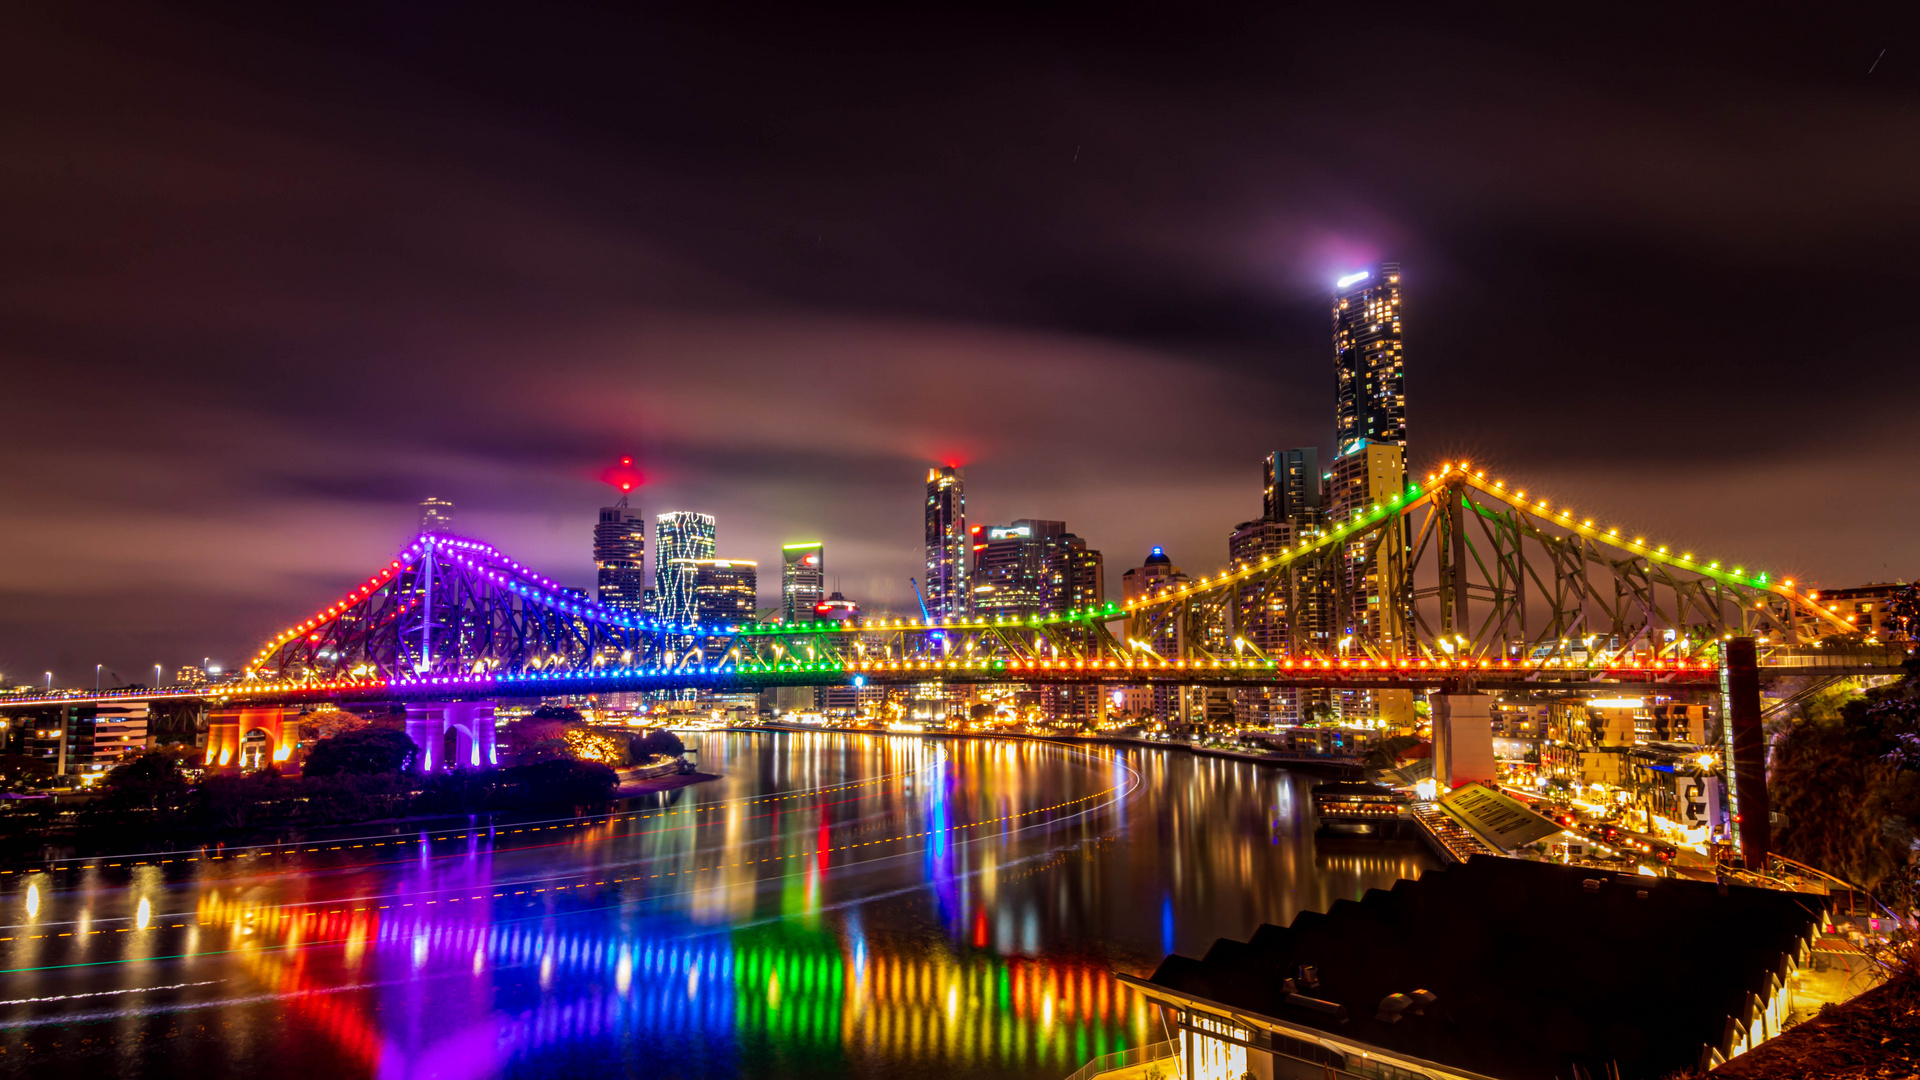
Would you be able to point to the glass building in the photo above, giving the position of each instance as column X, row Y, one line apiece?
column 947, row 581
column 1369, row 381
column 803, row 580
column 680, row 538
column 620, row 557
column 724, row 593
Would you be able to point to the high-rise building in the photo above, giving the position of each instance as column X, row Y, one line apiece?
column 1010, row 569
column 1367, row 475
column 680, row 538
column 725, row 591
column 1369, row 379
column 620, row 557
column 1260, row 617
column 1292, row 490
column 436, row 515
column 1034, row 567
column 1156, row 575
column 947, row 583
column 803, row 580
column 1375, row 605
column 1083, row 571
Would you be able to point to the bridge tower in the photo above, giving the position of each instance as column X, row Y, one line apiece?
column 471, row 725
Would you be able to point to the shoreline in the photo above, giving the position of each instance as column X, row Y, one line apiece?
column 1334, row 767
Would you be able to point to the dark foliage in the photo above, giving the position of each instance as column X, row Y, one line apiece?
column 151, row 781
column 362, row 752
column 564, row 713
column 663, row 743
column 1847, row 783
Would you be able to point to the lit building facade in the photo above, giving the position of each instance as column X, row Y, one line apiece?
column 1374, row 598
column 1369, row 377
column 947, row 584
column 1034, row 567
column 803, row 580
column 1260, row 611
column 436, row 515
column 620, row 557
column 680, row 539
column 725, row 593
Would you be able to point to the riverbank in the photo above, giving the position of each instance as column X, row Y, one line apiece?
column 649, row 785
column 1337, row 768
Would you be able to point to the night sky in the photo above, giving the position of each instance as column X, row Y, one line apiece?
column 267, row 280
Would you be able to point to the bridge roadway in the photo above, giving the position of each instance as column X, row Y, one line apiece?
column 1350, row 674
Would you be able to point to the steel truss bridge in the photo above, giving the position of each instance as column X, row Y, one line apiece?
column 1457, row 581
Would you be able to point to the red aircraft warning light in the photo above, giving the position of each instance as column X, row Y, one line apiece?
column 623, row 476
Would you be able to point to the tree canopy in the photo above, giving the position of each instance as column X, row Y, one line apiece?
column 362, row 751
column 1846, row 781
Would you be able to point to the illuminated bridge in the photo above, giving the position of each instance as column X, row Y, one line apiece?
column 1474, row 584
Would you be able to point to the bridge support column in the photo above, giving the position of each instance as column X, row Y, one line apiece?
column 1462, row 739
column 227, row 731
column 1745, row 746
column 473, row 724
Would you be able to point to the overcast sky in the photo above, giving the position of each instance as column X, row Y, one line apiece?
column 266, row 281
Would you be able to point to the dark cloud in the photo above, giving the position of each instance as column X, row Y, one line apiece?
column 269, row 277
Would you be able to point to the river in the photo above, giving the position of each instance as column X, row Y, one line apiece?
column 832, row 905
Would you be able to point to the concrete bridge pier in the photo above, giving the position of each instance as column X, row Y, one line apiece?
column 470, row 725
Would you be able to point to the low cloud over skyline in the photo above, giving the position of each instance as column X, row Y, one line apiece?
column 271, row 279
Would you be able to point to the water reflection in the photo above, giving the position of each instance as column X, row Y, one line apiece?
column 847, row 903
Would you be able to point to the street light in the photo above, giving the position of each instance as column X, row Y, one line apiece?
column 156, row 676
column 49, row 682
column 96, row 677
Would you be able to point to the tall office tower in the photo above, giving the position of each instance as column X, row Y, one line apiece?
column 1369, row 381
column 436, row 515
column 1010, row 569
column 1034, row 567
column 725, row 591
column 803, row 580
column 1293, row 486
column 680, row 538
column 620, row 556
column 1082, row 575
column 946, row 584
column 1374, row 604
column 1260, row 610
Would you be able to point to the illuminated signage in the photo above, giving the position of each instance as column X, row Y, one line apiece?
column 1352, row 279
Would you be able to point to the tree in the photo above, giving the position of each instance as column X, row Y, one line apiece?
column 1905, row 610
column 1847, row 782
column 662, row 743
column 363, row 751
column 566, row 714
column 150, row 781
column 327, row 724
column 538, row 738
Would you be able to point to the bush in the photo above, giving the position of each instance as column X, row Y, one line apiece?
column 362, row 752
column 662, row 743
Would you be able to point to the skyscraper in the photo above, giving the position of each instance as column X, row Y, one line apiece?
column 1374, row 605
column 436, row 515
column 620, row 556
column 1292, row 492
column 1370, row 400
column 724, row 590
column 680, row 538
column 946, row 584
column 803, row 580
column 1034, row 567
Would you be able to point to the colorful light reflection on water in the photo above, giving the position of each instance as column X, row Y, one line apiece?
column 849, row 905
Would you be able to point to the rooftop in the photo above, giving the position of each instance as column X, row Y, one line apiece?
column 1535, row 966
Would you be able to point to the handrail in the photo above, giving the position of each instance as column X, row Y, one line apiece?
column 1121, row 1059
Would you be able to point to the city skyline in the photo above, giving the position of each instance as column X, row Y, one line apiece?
column 805, row 331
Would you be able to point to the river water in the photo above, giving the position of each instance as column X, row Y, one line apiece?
column 834, row 905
